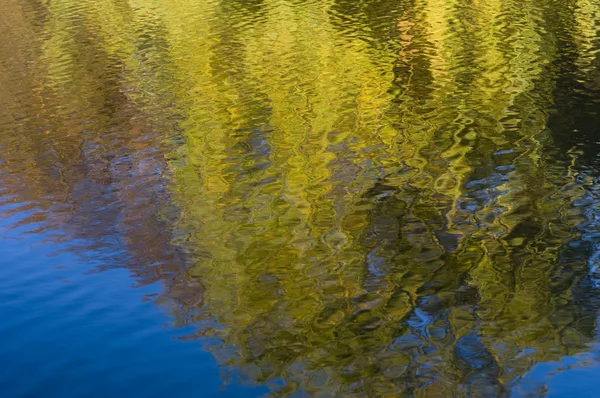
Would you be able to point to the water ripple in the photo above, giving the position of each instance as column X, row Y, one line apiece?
column 338, row 197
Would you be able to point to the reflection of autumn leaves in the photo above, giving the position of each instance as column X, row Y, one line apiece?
column 84, row 152
column 362, row 190
column 366, row 239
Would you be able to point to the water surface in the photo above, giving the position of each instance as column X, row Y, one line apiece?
column 299, row 198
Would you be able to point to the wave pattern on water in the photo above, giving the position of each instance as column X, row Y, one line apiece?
column 352, row 198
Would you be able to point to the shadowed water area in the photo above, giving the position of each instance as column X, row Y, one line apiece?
column 299, row 198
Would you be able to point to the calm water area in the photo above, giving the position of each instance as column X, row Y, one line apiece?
column 299, row 198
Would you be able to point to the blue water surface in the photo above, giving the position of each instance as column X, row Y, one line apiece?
column 69, row 330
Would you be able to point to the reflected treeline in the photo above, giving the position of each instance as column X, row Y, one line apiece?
column 84, row 130
column 373, row 198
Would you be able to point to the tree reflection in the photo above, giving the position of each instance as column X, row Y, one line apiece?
column 367, row 198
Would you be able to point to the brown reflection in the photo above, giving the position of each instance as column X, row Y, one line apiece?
column 81, row 156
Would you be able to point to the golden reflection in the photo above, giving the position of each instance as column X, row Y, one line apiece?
column 372, row 198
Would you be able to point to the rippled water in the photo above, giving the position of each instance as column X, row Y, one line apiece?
column 299, row 198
